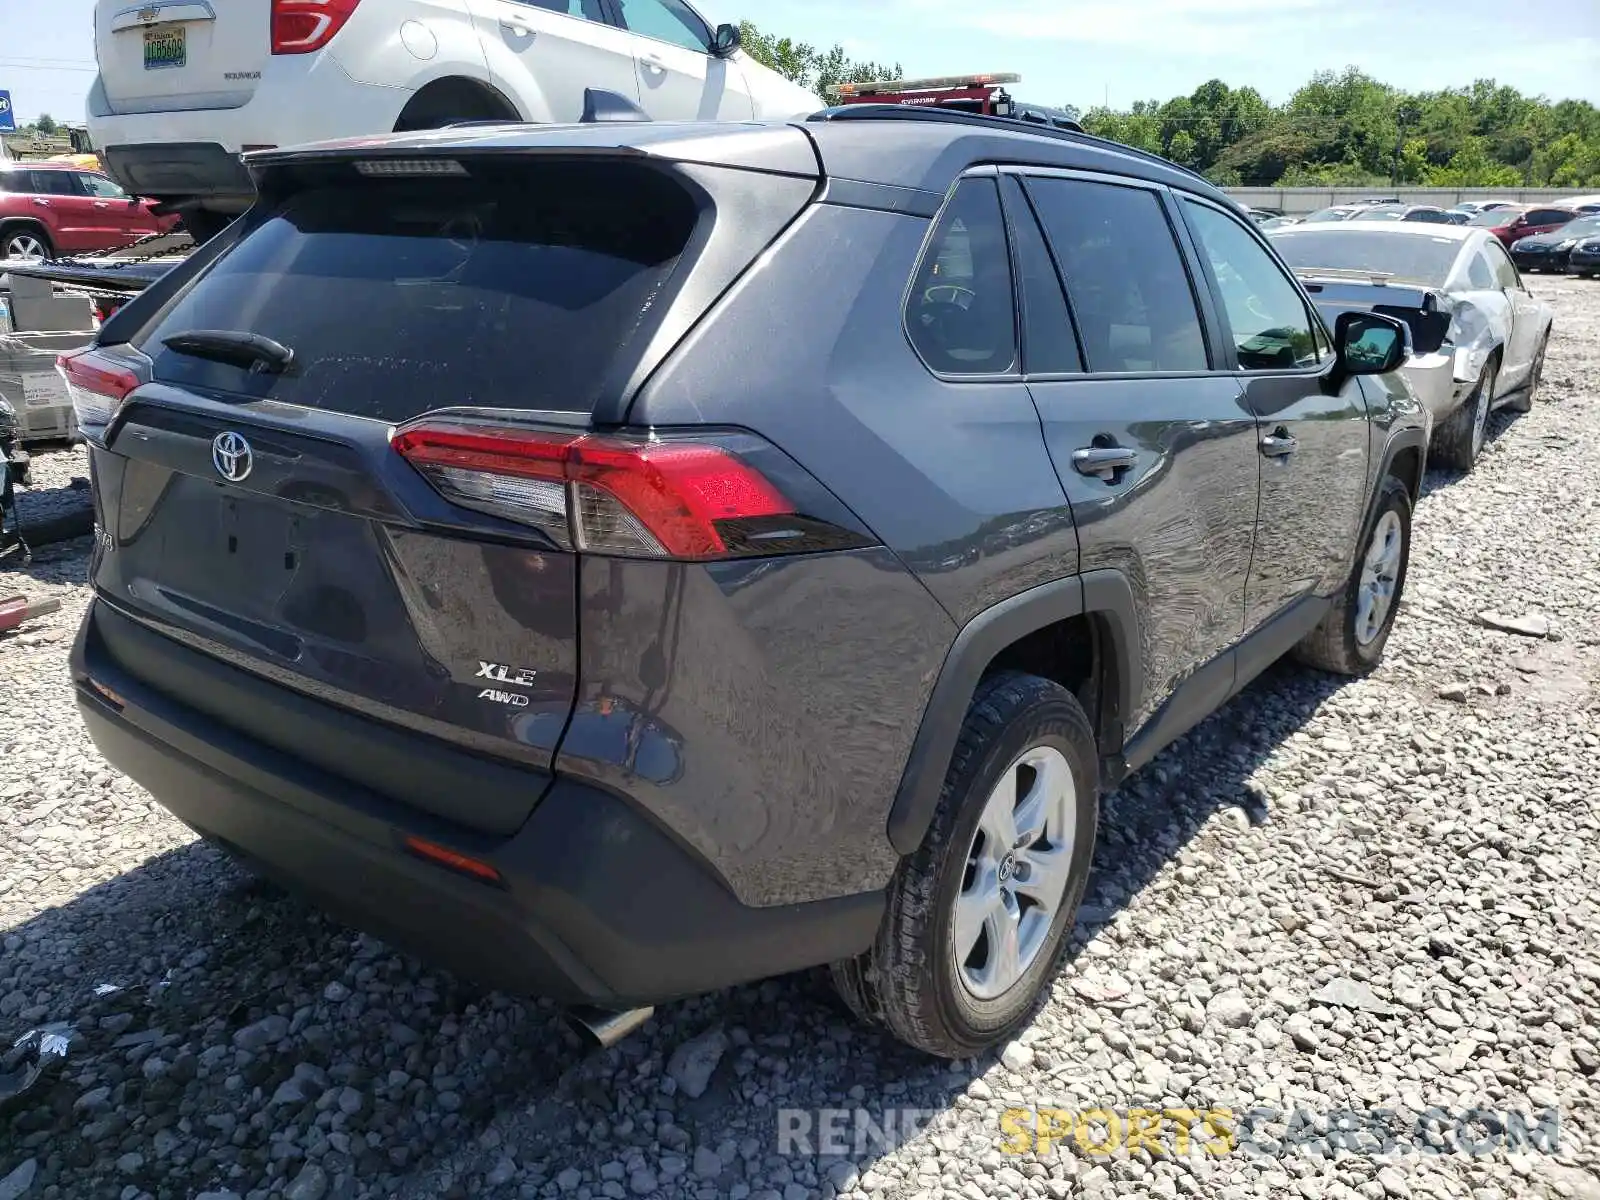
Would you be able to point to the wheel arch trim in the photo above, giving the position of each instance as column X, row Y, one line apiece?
column 1105, row 595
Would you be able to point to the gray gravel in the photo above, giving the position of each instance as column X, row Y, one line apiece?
column 1328, row 897
column 60, row 484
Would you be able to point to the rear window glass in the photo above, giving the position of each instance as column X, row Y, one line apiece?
column 517, row 288
column 1414, row 257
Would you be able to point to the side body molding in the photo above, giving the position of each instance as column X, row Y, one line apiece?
column 1103, row 595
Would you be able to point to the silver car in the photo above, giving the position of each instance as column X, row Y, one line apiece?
column 1478, row 335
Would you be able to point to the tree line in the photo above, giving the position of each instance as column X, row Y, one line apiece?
column 1340, row 129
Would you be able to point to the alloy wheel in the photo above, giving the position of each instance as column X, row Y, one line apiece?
column 1016, row 873
column 1380, row 572
column 24, row 245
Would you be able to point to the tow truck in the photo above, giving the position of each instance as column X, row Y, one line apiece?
column 984, row 95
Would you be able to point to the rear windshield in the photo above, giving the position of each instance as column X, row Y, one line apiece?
column 516, row 288
column 1413, row 257
column 1495, row 217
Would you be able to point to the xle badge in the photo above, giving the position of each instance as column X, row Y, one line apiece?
column 510, row 676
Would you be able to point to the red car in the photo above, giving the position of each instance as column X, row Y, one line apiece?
column 1522, row 220
column 48, row 209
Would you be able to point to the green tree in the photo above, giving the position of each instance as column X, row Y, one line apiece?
column 46, row 124
column 817, row 70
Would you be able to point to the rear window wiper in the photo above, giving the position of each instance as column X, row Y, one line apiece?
column 249, row 350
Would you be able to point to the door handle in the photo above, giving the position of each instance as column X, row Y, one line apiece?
column 41, row 202
column 1278, row 444
column 101, row 204
column 516, row 25
column 1103, row 461
column 652, row 61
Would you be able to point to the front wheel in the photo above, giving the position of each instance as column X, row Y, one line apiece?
column 978, row 914
column 1351, row 637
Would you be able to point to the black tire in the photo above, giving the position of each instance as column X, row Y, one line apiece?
column 448, row 101
column 20, row 229
column 1334, row 645
column 202, row 224
column 909, row 981
column 1523, row 401
column 1461, row 438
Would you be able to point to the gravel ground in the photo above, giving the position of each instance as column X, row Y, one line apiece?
column 60, row 484
column 1329, row 898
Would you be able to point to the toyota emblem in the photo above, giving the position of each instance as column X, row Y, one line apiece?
column 232, row 456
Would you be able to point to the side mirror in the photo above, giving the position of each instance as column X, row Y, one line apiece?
column 726, row 40
column 1369, row 344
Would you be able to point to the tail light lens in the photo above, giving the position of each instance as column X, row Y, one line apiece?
column 304, row 26
column 710, row 498
column 98, row 383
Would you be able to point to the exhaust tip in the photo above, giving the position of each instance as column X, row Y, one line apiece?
column 604, row 1027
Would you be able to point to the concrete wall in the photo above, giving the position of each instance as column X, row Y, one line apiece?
column 1296, row 202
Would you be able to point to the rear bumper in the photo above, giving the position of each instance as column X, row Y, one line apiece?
column 1432, row 376
column 194, row 153
column 597, row 903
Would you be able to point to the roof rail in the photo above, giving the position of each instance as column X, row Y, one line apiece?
column 896, row 112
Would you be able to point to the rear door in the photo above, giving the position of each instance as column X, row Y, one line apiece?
column 1313, row 445
column 264, row 518
column 170, row 55
column 679, row 78
column 74, row 222
column 547, row 52
column 1150, row 438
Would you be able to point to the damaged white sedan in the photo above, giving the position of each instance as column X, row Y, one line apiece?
column 1478, row 335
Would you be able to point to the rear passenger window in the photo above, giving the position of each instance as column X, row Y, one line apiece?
column 1505, row 271
column 54, row 183
column 1048, row 344
column 1270, row 322
column 962, row 314
column 1130, row 293
column 1479, row 274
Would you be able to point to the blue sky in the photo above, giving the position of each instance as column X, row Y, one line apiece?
column 1067, row 51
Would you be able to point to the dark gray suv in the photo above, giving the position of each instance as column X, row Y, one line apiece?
column 619, row 561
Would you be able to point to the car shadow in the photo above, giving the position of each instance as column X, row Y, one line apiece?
column 1500, row 423
column 161, row 967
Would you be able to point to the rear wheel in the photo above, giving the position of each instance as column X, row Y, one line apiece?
column 1525, row 398
column 447, row 101
column 1351, row 638
column 978, row 915
column 1460, row 439
column 202, row 224
column 25, row 241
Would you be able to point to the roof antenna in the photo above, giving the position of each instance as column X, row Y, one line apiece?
column 603, row 106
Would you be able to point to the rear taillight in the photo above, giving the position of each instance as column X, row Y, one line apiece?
column 97, row 383
column 700, row 500
column 302, row 26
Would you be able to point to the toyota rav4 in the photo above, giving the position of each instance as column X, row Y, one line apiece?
column 761, row 552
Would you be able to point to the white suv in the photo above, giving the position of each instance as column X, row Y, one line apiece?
column 185, row 86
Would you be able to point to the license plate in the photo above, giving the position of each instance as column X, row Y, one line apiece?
column 165, row 48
